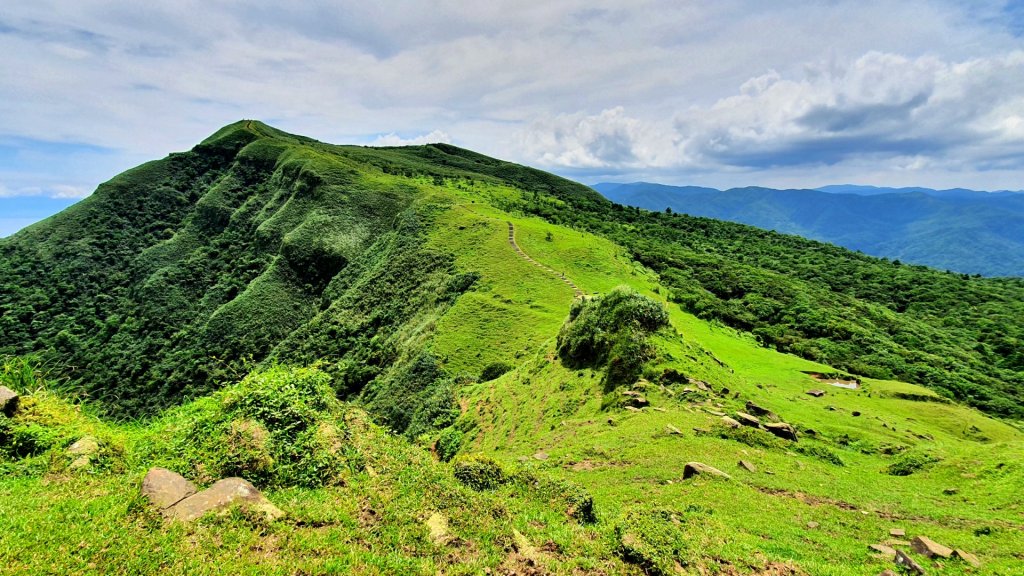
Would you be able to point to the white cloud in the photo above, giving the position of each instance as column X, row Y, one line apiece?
column 887, row 109
column 392, row 139
column 67, row 191
column 585, row 84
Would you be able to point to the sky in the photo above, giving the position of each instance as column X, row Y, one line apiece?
column 722, row 94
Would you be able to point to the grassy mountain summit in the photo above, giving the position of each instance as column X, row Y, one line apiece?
column 562, row 358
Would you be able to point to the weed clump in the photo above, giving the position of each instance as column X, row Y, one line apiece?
column 494, row 370
column 653, row 541
column 448, row 443
column 611, row 331
column 910, row 462
column 279, row 427
column 480, row 472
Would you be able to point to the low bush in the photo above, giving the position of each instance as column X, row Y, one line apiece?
column 611, row 331
column 910, row 462
column 494, row 370
column 479, row 472
column 278, row 427
column 652, row 541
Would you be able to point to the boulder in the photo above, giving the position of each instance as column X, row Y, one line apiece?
column 897, row 532
column 967, row 557
column 816, row 393
column 730, row 422
column 748, row 420
column 164, row 488
column 673, row 430
column 220, row 498
column 8, row 401
column 82, row 452
column 749, row 467
column 908, row 563
column 760, row 411
column 930, row 548
column 782, row 430
column 812, row 525
column 886, row 551
column 698, row 468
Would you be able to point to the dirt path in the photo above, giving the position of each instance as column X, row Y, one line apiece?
column 561, row 276
column 512, row 242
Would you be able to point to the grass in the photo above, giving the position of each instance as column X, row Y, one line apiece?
column 362, row 500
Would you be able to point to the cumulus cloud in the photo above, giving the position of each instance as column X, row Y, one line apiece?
column 392, row 139
column 906, row 113
column 588, row 86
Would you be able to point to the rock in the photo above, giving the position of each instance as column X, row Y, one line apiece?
column 659, row 409
column 816, row 393
column 908, row 563
column 887, row 573
column 714, row 412
column 730, row 422
column 697, row 468
column 82, row 452
column 673, row 430
column 930, row 548
column 8, row 401
column 164, row 488
column 782, row 430
column 884, row 550
column 220, row 497
column 748, row 420
column 950, row 491
column 812, row 525
column 855, row 413
column 749, row 467
column 702, row 386
column 438, row 526
column 897, row 532
column 542, row 455
column 760, row 411
column 633, row 409
column 967, row 557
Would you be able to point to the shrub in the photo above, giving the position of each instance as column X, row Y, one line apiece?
column 652, row 541
column 448, row 443
column 909, row 462
column 480, row 472
column 493, row 371
column 281, row 427
column 611, row 331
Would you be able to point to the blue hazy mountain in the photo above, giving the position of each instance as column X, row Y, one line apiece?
column 961, row 230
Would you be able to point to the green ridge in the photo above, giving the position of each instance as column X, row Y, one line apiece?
column 190, row 302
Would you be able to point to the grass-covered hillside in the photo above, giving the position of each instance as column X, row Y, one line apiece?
column 249, row 307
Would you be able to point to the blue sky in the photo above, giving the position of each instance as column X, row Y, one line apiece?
column 726, row 93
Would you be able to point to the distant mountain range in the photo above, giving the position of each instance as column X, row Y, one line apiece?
column 960, row 230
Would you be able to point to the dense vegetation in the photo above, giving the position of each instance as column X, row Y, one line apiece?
column 287, row 286
column 959, row 230
column 259, row 245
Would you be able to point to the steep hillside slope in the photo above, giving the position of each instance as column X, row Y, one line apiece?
column 959, row 230
column 257, row 244
column 266, row 276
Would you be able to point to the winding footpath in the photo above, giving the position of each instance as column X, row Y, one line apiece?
column 561, row 276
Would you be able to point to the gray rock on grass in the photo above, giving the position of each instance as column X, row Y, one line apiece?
column 700, row 469
column 164, row 488
column 8, row 401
